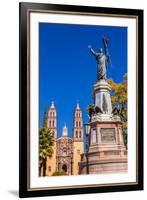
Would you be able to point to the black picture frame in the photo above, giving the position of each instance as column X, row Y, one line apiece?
column 24, row 93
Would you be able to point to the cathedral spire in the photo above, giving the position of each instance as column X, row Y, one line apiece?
column 52, row 105
column 78, row 107
column 52, row 119
column 78, row 140
column 78, row 124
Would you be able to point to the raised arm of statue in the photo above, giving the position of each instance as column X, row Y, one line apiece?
column 92, row 51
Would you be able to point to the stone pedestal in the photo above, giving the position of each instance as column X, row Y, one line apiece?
column 107, row 152
column 102, row 98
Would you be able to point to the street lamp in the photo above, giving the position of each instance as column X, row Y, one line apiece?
column 71, row 162
column 87, row 131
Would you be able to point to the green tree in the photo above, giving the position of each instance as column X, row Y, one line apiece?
column 46, row 143
column 58, row 173
column 119, row 100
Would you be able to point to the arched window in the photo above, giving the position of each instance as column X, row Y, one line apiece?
column 79, row 124
column 53, row 123
column 76, row 134
column 76, row 124
column 49, row 168
column 50, row 114
column 50, row 124
column 80, row 135
column 53, row 114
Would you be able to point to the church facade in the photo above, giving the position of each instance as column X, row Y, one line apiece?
column 67, row 150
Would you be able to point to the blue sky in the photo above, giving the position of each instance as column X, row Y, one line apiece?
column 67, row 70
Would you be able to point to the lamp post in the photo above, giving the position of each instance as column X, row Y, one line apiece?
column 87, row 131
column 71, row 162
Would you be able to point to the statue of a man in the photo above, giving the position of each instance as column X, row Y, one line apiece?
column 102, row 61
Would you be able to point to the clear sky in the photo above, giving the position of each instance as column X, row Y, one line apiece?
column 68, row 70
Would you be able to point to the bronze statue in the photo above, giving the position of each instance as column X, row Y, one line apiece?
column 102, row 59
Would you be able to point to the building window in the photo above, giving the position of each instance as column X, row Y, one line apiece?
column 80, row 134
column 50, row 114
column 76, row 124
column 53, row 114
column 49, row 168
column 53, row 123
column 50, row 124
column 79, row 124
column 76, row 134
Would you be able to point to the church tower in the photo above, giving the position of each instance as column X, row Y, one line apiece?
column 52, row 119
column 78, row 139
column 52, row 125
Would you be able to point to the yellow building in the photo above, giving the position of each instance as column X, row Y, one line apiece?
column 67, row 150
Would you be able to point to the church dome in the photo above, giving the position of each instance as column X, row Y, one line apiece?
column 78, row 107
column 52, row 105
column 65, row 131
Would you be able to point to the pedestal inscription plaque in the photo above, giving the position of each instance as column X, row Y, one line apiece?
column 107, row 135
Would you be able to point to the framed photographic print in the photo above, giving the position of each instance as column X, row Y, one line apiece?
column 81, row 99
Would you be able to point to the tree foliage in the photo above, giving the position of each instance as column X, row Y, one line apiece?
column 46, row 143
column 58, row 173
column 119, row 100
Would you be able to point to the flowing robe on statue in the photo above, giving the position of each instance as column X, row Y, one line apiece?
column 102, row 62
